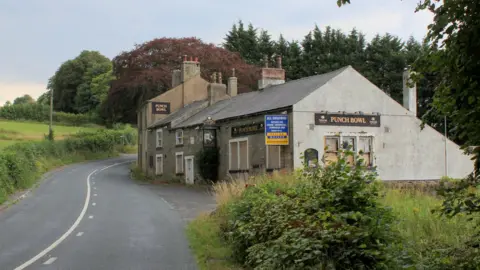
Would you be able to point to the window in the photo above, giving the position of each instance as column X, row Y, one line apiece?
column 273, row 157
column 348, row 144
column 179, row 137
column 331, row 149
column 159, row 137
column 361, row 146
column 238, row 154
column 159, row 165
column 179, row 162
column 365, row 149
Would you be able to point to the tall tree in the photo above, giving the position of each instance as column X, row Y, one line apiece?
column 266, row 46
column 146, row 72
column 70, row 84
column 25, row 99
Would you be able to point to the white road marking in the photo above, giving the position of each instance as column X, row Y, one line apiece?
column 169, row 205
column 51, row 260
column 90, row 217
column 74, row 226
column 80, row 234
column 95, row 194
column 93, row 204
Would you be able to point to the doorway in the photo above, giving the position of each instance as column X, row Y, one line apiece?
column 189, row 170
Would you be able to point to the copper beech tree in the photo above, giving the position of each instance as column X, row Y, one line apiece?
column 146, row 71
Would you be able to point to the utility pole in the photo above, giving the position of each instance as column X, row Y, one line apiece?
column 446, row 138
column 50, row 130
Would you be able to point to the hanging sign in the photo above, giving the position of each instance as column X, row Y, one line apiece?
column 276, row 129
column 250, row 129
column 324, row 119
column 160, row 107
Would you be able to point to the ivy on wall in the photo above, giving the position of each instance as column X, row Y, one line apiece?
column 208, row 161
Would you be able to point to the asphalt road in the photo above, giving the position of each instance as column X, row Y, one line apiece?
column 93, row 216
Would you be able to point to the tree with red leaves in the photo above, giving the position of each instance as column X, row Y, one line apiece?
column 146, row 72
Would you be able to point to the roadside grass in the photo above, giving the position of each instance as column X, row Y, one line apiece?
column 211, row 251
column 421, row 230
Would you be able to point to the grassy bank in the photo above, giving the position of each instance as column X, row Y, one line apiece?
column 23, row 163
column 12, row 132
column 424, row 235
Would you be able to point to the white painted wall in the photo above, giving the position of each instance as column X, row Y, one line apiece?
column 403, row 153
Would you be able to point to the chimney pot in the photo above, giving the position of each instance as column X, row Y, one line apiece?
column 214, row 77
column 191, row 58
column 185, row 58
column 196, row 59
column 279, row 61
column 219, row 77
column 265, row 61
column 233, row 72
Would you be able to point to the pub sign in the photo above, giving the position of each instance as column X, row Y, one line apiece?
column 160, row 107
column 361, row 120
column 249, row 129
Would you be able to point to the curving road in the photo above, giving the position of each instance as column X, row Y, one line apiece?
column 93, row 216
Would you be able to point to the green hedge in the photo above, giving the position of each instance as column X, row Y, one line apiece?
column 21, row 164
column 41, row 113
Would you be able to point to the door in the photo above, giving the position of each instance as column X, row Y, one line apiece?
column 189, row 170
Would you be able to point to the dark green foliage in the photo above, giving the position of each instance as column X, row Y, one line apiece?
column 26, row 99
column 41, row 113
column 22, row 163
column 331, row 219
column 208, row 160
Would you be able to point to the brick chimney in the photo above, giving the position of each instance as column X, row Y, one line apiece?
column 232, row 87
column 216, row 89
column 409, row 92
column 190, row 68
column 271, row 76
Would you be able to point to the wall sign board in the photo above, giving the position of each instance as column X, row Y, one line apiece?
column 362, row 120
column 160, row 107
column 276, row 129
column 249, row 129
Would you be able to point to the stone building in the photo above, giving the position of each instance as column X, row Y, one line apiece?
column 311, row 117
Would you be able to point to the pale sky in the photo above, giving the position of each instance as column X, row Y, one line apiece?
column 37, row 36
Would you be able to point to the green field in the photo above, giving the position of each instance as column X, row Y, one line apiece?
column 12, row 132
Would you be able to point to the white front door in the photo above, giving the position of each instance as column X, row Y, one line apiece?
column 189, row 170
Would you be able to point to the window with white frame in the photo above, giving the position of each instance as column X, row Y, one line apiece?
column 179, row 162
column 159, row 137
column 360, row 145
column 238, row 154
column 273, row 156
column 159, row 165
column 179, row 137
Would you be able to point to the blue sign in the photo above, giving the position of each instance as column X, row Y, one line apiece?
column 276, row 129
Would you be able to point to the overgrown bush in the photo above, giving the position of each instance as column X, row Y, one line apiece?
column 41, row 113
column 22, row 163
column 330, row 219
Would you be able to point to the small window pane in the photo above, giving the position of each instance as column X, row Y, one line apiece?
column 243, row 155
column 331, row 144
column 234, row 156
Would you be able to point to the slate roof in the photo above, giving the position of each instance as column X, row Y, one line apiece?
column 270, row 98
column 177, row 114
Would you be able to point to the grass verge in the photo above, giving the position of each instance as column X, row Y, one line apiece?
column 211, row 251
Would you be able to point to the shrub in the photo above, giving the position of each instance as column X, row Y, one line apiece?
column 41, row 113
column 208, row 161
column 330, row 219
column 21, row 163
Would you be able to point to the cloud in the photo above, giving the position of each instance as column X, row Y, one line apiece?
column 43, row 34
column 10, row 91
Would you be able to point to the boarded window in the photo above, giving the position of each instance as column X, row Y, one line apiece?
column 159, row 165
column 331, row 149
column 239, row 155
column 348, row 143
column 365, row 149
column 179, row 162
column 273, row 157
